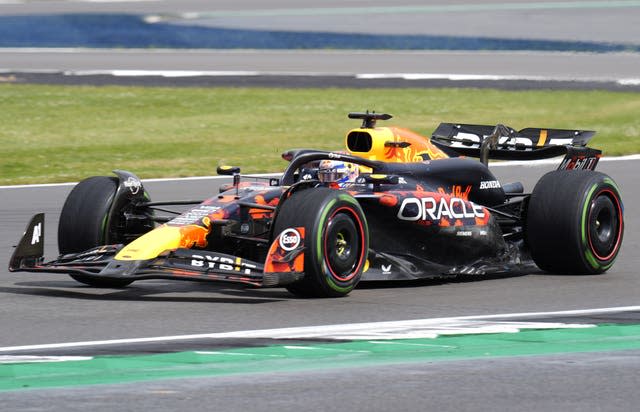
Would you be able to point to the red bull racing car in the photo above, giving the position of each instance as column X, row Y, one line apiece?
column 395, row 205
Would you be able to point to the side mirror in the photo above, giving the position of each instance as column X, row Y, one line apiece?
column 231, row 171
column 228, row 170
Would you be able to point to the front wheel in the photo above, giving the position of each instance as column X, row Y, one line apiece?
column 336, row 240
column 84, row 223
column 575, row 222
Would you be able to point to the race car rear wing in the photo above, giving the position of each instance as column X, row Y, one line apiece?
column 505, row 143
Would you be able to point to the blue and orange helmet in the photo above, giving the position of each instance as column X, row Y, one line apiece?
column 336, row 171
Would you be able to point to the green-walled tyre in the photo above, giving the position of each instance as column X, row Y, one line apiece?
column 336, row 240
column 575, row 222
column 84, row 223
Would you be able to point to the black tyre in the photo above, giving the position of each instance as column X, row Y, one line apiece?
column 575, row 222
column 336, row 240
column 84, row 223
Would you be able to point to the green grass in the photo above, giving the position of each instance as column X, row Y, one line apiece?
column 66, row 133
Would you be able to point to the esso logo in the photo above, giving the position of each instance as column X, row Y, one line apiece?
column 290, row 239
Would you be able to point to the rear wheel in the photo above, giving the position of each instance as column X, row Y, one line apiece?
column 84, row 223
column 575, row 222
column 336, row 240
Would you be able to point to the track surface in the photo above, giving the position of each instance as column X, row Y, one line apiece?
column 52, row 308
column 509, row 70
column 549, row 383
column 155, row 308
column 588, row 21
column 455, row 22
column 39, row 309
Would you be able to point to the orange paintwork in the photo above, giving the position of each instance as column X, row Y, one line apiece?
column 193, row 236
column 257, row 213
column 273, row 263
column 456, row 191
column 388, row 200
column 420, row 147
column 151, row 244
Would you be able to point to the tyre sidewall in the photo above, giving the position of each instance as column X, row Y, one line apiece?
column 85, row 223
column 317, row 250
column 599, row 262
column 84, row 218
column 316, row 209
column 558, row 218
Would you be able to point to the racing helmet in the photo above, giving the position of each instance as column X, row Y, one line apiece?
column 336, row 171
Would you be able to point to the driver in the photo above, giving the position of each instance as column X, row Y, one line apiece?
column 337, row 173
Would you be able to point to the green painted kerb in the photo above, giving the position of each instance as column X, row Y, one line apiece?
column 120, row 369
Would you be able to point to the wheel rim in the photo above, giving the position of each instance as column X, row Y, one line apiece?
column 604, row 225
column 343, row 245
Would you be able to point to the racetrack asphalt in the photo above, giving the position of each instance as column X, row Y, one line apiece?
column 500, row 42
column 288, row 24
column 549, row 383
column 40, row 309
column 323, row 68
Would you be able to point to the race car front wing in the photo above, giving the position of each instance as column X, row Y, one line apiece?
column 179, row 264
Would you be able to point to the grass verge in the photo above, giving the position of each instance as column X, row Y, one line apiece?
column 66, row 133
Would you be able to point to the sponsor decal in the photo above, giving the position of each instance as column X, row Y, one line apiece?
column 489, row 184
column 510, row 142
column 466, row 233
column 37, row 234
column 251, row 188
column 386, row 269
column 222, row 263
column 470, row 140
column 290, row 239
column 91, row 258
column 194, row 215
column 579, row 163
column 133, row 185
column 291, row 259
column 430, row 208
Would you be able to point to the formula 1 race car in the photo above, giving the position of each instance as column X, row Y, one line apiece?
column 395, row 205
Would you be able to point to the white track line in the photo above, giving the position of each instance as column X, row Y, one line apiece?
column 8, row 359
column 493, row 77
column 454, row 77
column 184, row 179
column 373, row 330
column 163, row 179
